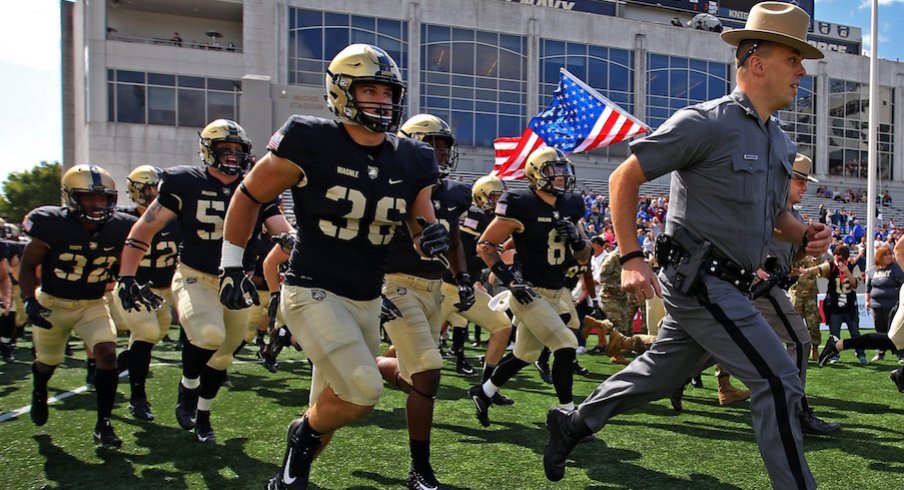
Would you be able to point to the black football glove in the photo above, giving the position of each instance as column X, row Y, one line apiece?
column 569, row 234
column 37, row 314
column 286, row 241
column 273, row 308
column 236, row 289
column 434, row 240
column 466, row 298
column 134, row 296
column 514, row 281
column 388, row 310
column 596, row 311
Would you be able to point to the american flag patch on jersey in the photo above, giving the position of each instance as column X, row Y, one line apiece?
column 275, row 140
column 500, row 208
column 470, row 223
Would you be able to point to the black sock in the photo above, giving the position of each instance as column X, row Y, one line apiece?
column 105, row 382
column 194, row 359
column 477, row 334
column 508, row 367
column 7, row 326
column 139, row 365
column 307, row 436
column 122, row 361
column 91, row 365
column 420, row 455
column 458, row 339
column 39, row 379
column 544, row 356
column 562, row 374
column 211, row 380
column 487, row 372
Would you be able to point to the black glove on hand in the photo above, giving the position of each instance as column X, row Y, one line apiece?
column 434, row 240
column 133, row 295
column 569, row 234
column 511, row 277
column 37, row 314
column 388, row 310
column 466, row 297
column 596, row 311
column 286, row 241
column 273, row 308
column 234, row 286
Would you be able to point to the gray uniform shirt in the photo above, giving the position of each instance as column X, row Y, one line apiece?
column 730, row 177
column 785, row 251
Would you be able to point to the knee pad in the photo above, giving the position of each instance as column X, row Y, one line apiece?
column 369, row 383
column 212, row 337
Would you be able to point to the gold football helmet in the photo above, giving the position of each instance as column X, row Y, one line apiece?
column 142, row 184
column 544, row 166
column 429, row 128
column 89, row 180
column 364, row 63
column 486, row 191
column 228, row 162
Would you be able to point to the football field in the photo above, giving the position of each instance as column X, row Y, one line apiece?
column 705, row 447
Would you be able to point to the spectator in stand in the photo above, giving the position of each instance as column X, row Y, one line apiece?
column 836, row 219
column 176, row 39
column 595, row 219
column 823, row 214
column 858, row 230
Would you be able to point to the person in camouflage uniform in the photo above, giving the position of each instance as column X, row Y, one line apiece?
column 619, row 309
column 804, row 298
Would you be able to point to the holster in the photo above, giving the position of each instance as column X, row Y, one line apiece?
column 686, row 255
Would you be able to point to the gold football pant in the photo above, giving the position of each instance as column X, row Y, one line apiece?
column 416, row 334
column 540, row 323
column 88, row 318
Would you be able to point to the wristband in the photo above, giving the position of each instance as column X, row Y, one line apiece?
column 637, row 254
column 231, row 255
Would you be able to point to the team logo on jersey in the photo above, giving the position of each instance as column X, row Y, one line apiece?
column 92, row 245
column 372, row 172
column 227, row 191
column 401, row 291
column 318, row 294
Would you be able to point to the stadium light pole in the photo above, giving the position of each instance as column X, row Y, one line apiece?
column 872, row 140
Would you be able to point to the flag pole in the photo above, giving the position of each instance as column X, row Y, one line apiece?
column 872, row 140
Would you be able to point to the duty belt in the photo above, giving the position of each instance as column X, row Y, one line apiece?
column 676, row 251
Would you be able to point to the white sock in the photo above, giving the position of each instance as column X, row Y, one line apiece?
column 489, row 389
column 204, row 404
column 191, row 384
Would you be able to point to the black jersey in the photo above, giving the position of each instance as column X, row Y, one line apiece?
column 159, row 263
column 450, row 200
column 542, row 256
column 348, row 203
column 574, row 272
column 472, row 226
column 79, row 263
column 13, row 249
column 200, row 201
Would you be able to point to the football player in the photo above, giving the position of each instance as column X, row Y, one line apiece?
column 542, row 222
column 353, row 182
column 414, row 286
column 485, row 192
column 146, row 326
column 77, row 246
column 196, row 197
column 9, row 321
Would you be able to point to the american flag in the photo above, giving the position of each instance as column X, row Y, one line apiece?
column 578, row 119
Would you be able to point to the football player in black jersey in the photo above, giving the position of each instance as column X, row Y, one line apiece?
column 77, row 246
column 413, row 284
column 353, row 182
column 485, row 192
column 146, row 326
column 542, row 222
column 7, row 320
column 196, row 197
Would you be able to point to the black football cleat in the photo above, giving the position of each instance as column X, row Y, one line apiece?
column 895, row 376
column 828, row 351
column 203, row 430
column 7, row 350
column 104, row 435
column 576, row 368
column 502, row 400
column 481, row 403
column 462, row 366
column 141, row 410
column 697, row 382
column 543, row 368
column 186, row 406
column 677, row 399
column 421, row 480
column 296, row 466
column 39, row 411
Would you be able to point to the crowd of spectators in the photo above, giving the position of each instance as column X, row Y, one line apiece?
column 851, row 195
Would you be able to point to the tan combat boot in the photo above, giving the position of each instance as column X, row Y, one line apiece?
column 602, row 328
column 617, row 343
column 728, row 394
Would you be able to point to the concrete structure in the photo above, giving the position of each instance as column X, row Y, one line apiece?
column 135, row 95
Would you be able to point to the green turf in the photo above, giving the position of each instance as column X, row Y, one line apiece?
column 649, row 448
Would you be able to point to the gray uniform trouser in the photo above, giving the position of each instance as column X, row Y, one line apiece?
column 720, row 323
column 790, row 327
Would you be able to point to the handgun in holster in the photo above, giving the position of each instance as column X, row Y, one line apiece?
column 775, row 276
column 689, row 267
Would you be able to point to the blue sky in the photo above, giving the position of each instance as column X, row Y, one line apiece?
column 30, row 114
